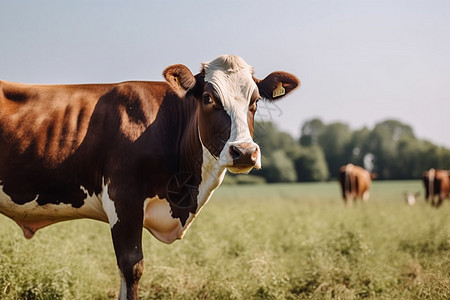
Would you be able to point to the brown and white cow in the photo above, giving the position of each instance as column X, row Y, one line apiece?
column 355, row 183
column 437, row 183
column 133, row 154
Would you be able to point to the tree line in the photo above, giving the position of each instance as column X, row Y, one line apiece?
column 390, row 149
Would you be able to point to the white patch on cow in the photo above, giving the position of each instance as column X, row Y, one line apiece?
column 157, row 212
column 4, row 199
column 109, row 207
column 31, row 216
column 232, row 79
column 365, row 196
column 123, row 288
column 84, row 190
column 212, row 176
column 158, row 220
column 94, row 205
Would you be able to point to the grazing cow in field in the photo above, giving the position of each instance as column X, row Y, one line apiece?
column 132, row 154
column 355, row 183
column 437, row 183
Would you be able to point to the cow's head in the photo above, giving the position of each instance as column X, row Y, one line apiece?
column 228, row 95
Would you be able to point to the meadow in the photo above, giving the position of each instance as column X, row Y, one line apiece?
column 281, row 241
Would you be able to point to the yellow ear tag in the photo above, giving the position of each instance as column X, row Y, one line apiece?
column 279, row 91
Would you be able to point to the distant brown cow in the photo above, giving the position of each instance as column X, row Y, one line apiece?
column 437, row 183
column 355, row 183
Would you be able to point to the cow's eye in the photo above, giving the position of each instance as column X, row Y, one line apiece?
column 207, row 99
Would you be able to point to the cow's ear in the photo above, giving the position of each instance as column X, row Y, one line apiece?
column 180, row 79
column 277, row 85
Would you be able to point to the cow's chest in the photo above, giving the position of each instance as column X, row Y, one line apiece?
column 159, row 221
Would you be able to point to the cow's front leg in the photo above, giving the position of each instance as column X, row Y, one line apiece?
column 440, row 199
column 127, row 239
column 434, row 202
column 348, row 199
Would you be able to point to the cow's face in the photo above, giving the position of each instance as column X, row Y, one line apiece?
column 228, row 95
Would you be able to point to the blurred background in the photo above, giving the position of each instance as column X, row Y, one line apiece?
column 374, row 74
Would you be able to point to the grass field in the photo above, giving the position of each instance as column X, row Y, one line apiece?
column 294, row 241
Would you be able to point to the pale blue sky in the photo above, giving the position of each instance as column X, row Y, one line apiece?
column 360, row 62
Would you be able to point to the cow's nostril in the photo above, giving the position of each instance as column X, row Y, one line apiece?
column 235, row 152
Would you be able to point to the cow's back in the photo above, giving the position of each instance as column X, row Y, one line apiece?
column 55, row 141
column 50, row 122
column 45, row 122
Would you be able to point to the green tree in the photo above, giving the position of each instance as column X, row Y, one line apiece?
column 433, row 156
column 266, row 136
column 382, row 143
column 355, row 150
column 277, row 149
column 311, row 131
column 279, row 168
column 407, row 160
column 310, row 164
column 334, row 140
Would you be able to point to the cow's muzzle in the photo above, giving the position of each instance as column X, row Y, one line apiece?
column 245, row 156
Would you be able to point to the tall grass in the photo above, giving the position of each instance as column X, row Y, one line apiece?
column 252, row 242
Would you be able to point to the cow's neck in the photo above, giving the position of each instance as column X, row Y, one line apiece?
column 212, row 176
column 196, row 161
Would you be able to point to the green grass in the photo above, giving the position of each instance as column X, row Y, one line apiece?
column 294, row 241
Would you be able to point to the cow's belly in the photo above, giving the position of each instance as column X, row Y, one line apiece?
column 158, row 220
column 31, row 216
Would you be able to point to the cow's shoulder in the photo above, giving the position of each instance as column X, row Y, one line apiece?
column 132, row 106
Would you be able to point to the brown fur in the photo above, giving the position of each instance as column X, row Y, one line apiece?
column 355, row 183
column 436, row 183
